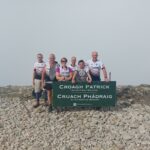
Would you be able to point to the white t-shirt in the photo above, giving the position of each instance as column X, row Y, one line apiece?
column 38, row 67
column 64, row 72
column 51, row 71
column 73, row 68
column 95, row 67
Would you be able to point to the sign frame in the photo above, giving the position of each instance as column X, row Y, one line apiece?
column 82, row 94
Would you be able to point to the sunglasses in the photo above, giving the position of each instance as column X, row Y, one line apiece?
column 63, row 61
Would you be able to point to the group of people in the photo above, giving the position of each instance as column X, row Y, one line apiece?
column 44, row 74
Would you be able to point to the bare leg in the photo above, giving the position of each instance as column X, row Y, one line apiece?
column 50, row 100
column 49, row 92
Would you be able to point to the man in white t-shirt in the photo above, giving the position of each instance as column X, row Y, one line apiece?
column 37, row 75
column 73, row 65
column 95, row 66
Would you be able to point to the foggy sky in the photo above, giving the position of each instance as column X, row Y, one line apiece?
column 118, row 29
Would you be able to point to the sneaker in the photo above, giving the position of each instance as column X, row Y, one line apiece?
column 50, row 109
column 46, row 104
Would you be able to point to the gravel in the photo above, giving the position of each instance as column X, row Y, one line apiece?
column 125, row 127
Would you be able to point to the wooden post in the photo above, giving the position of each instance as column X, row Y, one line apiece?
column 109, row 76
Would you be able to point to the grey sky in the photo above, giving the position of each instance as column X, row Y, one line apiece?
column 118, row 29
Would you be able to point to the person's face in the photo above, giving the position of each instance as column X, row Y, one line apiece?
column 73, row 61
column 94, row 56
column 81, row 65
column 39, row 58
column 51, row 59
column 63, row 62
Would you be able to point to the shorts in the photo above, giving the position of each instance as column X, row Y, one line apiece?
column 48, row 86
column 95, row 78
column 37, row 86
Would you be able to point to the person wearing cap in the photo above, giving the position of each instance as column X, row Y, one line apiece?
column 64, row 73
column 49, row 76
column 95, row 66
column 82, row 73
column 36, row 79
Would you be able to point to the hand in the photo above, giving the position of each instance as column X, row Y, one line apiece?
column 89, row 81
column 66, row 78
column 73, row 81
column 106, row 79
column 43, row 85
column 33, row 83
column 62, row 79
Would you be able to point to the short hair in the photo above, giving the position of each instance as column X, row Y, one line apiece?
column 73, row 57
column 80, row 61
column 64, row 58
column 52, row 55
column 40, row 54
column 95, row 52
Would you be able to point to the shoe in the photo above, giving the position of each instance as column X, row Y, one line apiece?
column 59, row 109
column 37, row 104
column 97, row 108
column 46, row 104
column 50, row 109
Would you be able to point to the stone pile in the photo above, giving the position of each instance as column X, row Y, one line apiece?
column 125, row 127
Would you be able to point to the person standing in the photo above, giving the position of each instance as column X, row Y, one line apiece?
column 82, row 73
column 64, row 73
column 73, row 65
column 95, row 66
column 49, row 76
column 36, row 79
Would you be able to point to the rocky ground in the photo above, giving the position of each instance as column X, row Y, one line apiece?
column 125, row 127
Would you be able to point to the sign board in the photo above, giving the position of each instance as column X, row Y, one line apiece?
column 82, row 94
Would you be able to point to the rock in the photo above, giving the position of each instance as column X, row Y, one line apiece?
column 1, row 125
column 124, row 127
column 40, row 109
column 126, row 136
column 142, row 129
